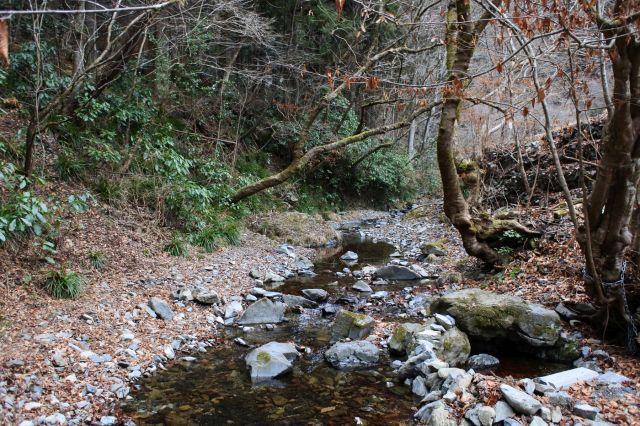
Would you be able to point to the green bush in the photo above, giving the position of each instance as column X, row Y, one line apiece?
column 63, row 284
column 208, row 238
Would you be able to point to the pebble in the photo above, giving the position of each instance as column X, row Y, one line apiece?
column 55, row 419
column 585, row 410
column 108, row 420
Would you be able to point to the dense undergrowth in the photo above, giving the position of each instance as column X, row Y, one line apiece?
column 128, row 146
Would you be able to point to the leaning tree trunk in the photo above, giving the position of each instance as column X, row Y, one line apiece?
column 461, row 39
column 613, row 199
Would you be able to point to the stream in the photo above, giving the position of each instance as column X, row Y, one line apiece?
column 216, row 388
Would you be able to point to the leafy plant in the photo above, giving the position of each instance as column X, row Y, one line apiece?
column 63, row 284
column 97, row 259
column 176, row 247
column 208, row 238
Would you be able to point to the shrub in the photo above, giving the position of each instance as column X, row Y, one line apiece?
column 208, row 238
column 97, row 259
column 63, row 284
column 176, row 247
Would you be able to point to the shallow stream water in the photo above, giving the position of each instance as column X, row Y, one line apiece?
column 217, row 390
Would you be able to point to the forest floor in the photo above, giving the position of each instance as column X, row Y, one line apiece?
column 72, row 360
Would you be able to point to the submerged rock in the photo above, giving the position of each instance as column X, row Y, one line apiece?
column 397, row 273
column 487, row 316
column 352, row 325
column 360, row 353
column 270, row 360
column 292, row 301
column 264, row 311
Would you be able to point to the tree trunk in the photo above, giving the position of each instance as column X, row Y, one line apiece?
column 612, row 202
column 461, row 39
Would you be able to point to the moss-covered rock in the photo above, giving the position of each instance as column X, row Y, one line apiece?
column 438, row 248
column 300, row 229
column 455, row 347
column 487, row 316
column 352, row 325
column 403, row 335
column 418, row 212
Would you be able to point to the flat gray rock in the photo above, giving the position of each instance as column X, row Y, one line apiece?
column 349, row 256
column 564, row 379
column 503, row 411
column 207, row 297
column 161, row 308
column 482, row 362
column 264, row 311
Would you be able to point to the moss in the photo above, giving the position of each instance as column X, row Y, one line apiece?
column 264, row 357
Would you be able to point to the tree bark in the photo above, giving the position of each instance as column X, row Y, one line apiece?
column 461, row 40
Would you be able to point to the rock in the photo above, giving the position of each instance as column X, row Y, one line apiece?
column 610, row 377
column 446, row 321
column 161, row 309
column 329, row 310
column 519, row 400
column 482, row 362
column 455, row 347
column 419, row 387
column 380, row 295
column 302, row 263
column 256, row 274
column 437, row 248
column 352, row 325
column 272, row 277
column 207, row 297
column 349, row 257
column 264, row 311
column 585, row 410
column 359, row 353
column 402, row 336
column 545, row 414
column 58, row 359
column 108, row 420
column 556, row 415
column 362, row 286
column 432, row 396
column 270, row 360
column 440, row 417
column 503, row 411
column 529, row 385
column 564, row 379
column 232, row 311
column 316, row 294
column 560, row 399
column 511, row 422
column 397, row 273
column 487, row 316
column 486, row 415
column 285, row 249
column 537, row 421
column 425, row 412
column 55, row 419
column 293, row 301
column 183, row 294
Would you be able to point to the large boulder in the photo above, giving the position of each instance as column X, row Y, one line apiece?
column 520, row 401
column 264, row 311
column 454, row 348
column 488, row 316
column 360, row 353
column 270, row 360
column 397, row 273
column 351, row 325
